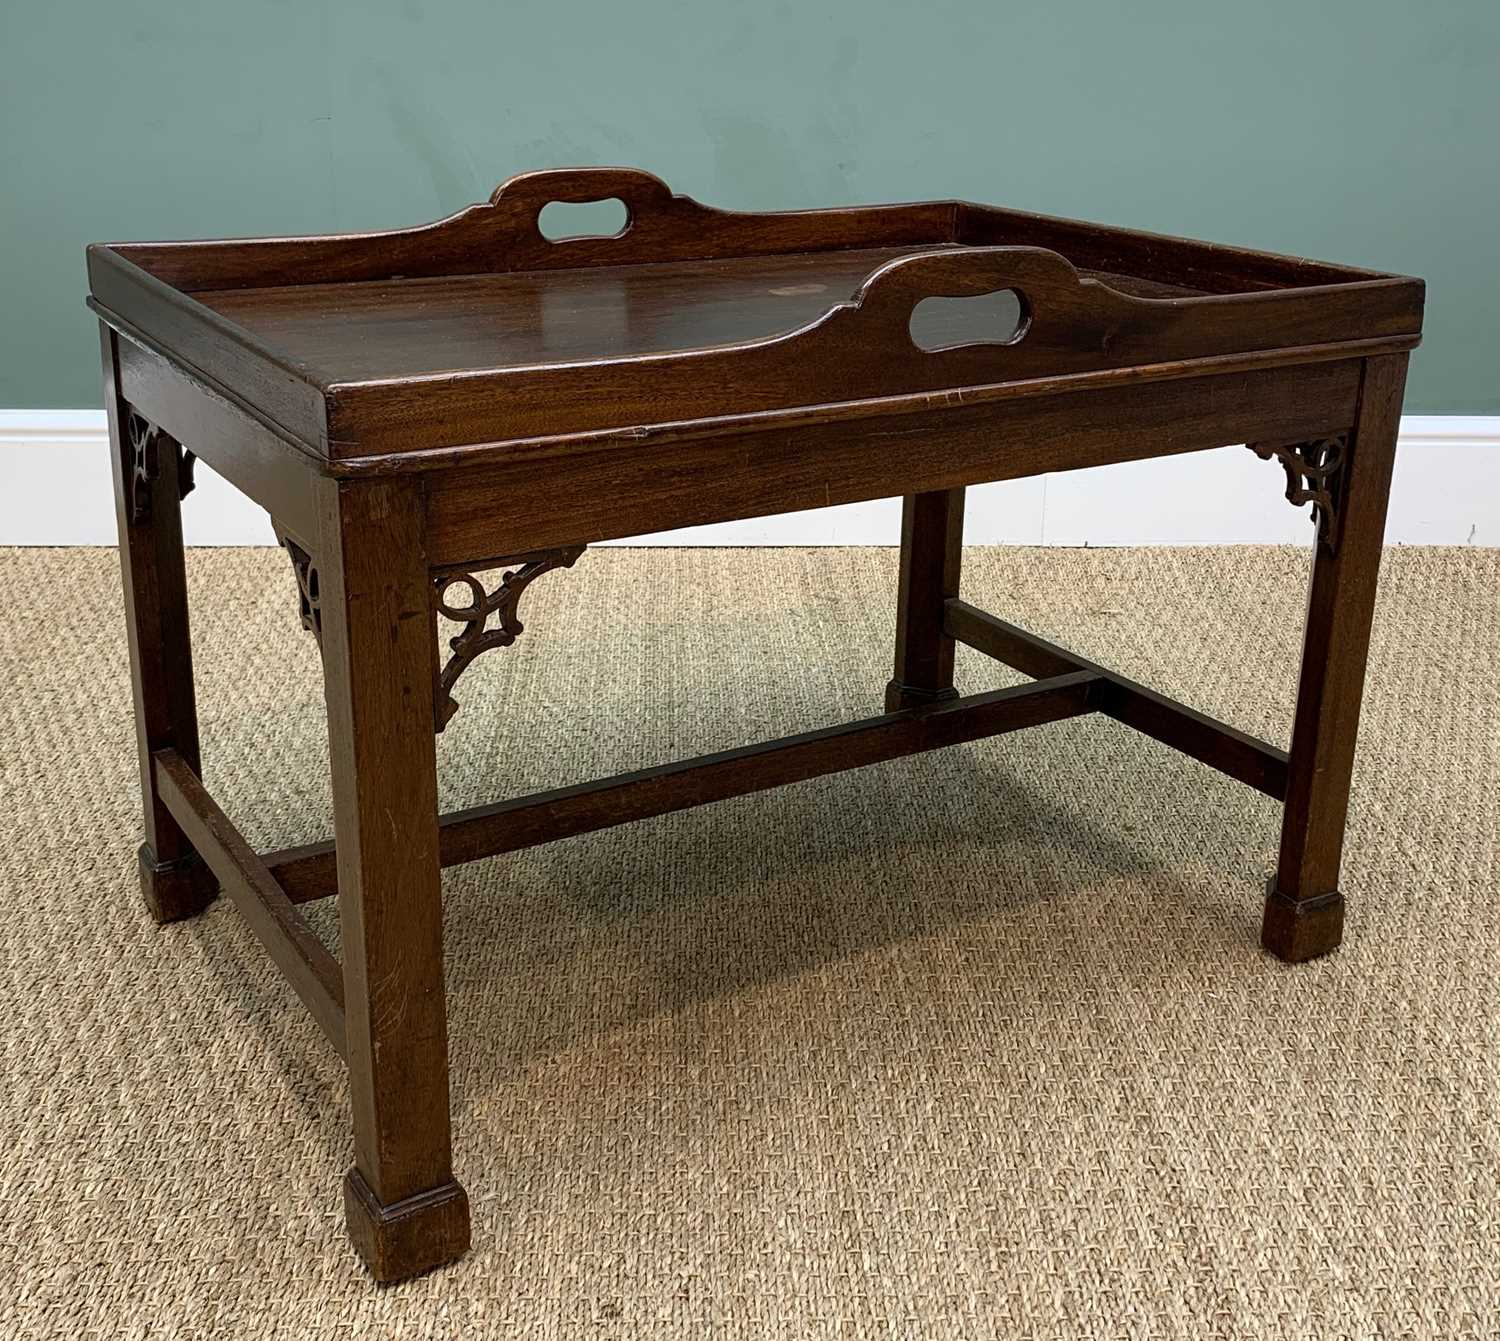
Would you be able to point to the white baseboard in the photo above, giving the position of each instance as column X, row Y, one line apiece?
column 55, row 490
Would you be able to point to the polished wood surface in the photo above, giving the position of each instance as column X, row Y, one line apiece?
column 400, row 328
column 148, row 497
column 435, row 417
column 478, row 329
column 1305, row 907
column 560, row 498
column 376, row 629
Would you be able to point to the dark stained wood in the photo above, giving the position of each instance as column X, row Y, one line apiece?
column 296, row 951
column 259, row 463
column 1241, row 756
column 1203, row 267
column 378, row 640
column 942, row 408
column 487, row 609
column 503, row 234
column 565, row 498
column 484, row 831
column 320, row 333
column 408, row 405
column 174, row 881
column 396, row 328
column 937, row 405
column 1304, row 907
column 858, row 349
column 406, row 1237
column 932, row 539
column 656, row 336
column 217, row 353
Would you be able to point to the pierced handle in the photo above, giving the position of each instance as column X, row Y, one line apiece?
column 526, row 195
column 1039, row 276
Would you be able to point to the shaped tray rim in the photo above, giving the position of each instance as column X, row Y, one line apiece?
column 1274, row 305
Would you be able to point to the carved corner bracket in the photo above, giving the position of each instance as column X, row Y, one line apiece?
column 477, row 634
column 1314, row 474
column 145, row 443
column 305, row 569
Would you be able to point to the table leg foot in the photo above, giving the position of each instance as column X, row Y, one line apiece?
column 899, row 696
column 1296, row 930
column 410, row 1236
column 175, row 890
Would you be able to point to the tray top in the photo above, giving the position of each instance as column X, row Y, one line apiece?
column 411, row 327
column 478, row 330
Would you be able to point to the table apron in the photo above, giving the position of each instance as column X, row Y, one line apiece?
column 474, row 512
column 261, row 464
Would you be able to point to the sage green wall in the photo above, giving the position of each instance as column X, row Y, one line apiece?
column 1362, row 131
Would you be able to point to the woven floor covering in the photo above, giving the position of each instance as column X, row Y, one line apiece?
column 976, row 1044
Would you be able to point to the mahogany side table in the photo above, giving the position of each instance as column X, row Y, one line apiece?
column 435, row 417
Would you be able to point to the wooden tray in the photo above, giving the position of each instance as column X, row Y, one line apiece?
column 437, row 417
column 478, row 329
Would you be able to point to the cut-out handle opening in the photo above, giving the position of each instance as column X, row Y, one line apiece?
column 941, row 322
column 564, row 220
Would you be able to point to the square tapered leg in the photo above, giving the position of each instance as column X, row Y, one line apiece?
column 405, row 1212
column 150, row 478
column 932, row 534
column 1304, row 915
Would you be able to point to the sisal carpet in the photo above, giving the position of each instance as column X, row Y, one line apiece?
column 979, row 1044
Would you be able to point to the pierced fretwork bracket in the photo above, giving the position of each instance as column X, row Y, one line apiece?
column 474, row 614
column 305, row 568
column 146, row 442
column 142, row 464
column 1314, row 474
